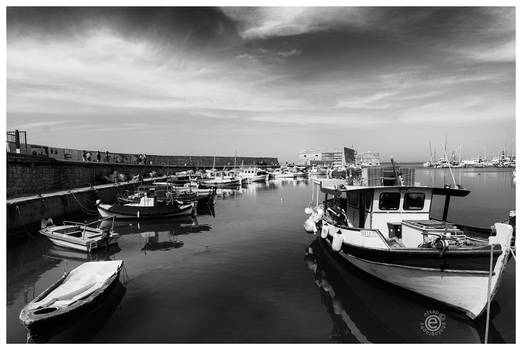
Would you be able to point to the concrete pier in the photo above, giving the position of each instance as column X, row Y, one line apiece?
column 24, row 214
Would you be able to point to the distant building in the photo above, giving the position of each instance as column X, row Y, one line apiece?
column 368, row 159
column 333, row 157
column 328, row 157
column 349, row 156
column 339, row 157
column 309, row 157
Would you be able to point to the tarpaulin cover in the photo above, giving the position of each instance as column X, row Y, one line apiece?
column 82, row 281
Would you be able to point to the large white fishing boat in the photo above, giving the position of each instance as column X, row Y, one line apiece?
column 387, row 231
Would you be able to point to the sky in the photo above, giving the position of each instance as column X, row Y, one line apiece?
column 265, row 81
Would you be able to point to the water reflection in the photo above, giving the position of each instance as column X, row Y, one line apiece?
column 264, row 218
column 154, row 229
column 366, row 310
column 227, row 193
column 59, row 253
column 157, row 241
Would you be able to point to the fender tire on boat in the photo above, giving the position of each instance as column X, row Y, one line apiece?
column 337, row 241
column 324, row 231
column 309, row 226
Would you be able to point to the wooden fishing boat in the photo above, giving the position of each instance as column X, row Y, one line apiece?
column 71, row 296
column 165, row 191
column 147, row 208
column 368, row 308
column 283, row 174
column 316, row 170
column 80, row 236
column 180, row 179
column 161, row 192
column 387, row 232
column 219, row 179
column 253, row 174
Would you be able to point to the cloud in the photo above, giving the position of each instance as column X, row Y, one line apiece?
column 261, row 55
column 290, row 53
column 42, row 124
column 265, row 22
column 504, row 52
column 256, row 71
column 101, row 72
column 375, row 101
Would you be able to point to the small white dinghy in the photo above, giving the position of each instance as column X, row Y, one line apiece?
column 79, row 236
column 71, row 296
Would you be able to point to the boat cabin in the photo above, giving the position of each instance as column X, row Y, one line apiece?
column 397, row 212
column 252, row 171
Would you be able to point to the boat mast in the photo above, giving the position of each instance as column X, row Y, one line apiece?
column 397, row 182
column 445, row 146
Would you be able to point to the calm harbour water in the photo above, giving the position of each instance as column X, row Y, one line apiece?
column 247, row 272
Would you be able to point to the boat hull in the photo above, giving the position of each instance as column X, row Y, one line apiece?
column 220, row 183
column 43, row 323
column 285, row 176
column 257, row 178
column 138, row 212
column 81, row 247
column 371, row 307
column 464, row 288
column 77, row 243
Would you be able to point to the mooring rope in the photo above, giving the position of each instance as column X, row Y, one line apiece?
column 84, row 209
column 23, row 223
column 125, row 276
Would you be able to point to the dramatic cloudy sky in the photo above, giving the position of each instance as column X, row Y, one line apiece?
column 263, row 81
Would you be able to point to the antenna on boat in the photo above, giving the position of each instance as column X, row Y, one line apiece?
column 449, row 167
column 397, row 181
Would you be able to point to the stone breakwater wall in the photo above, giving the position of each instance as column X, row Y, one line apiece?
column 76, row 155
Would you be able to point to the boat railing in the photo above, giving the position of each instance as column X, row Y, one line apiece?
column 443, row 235
column 68, row 222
